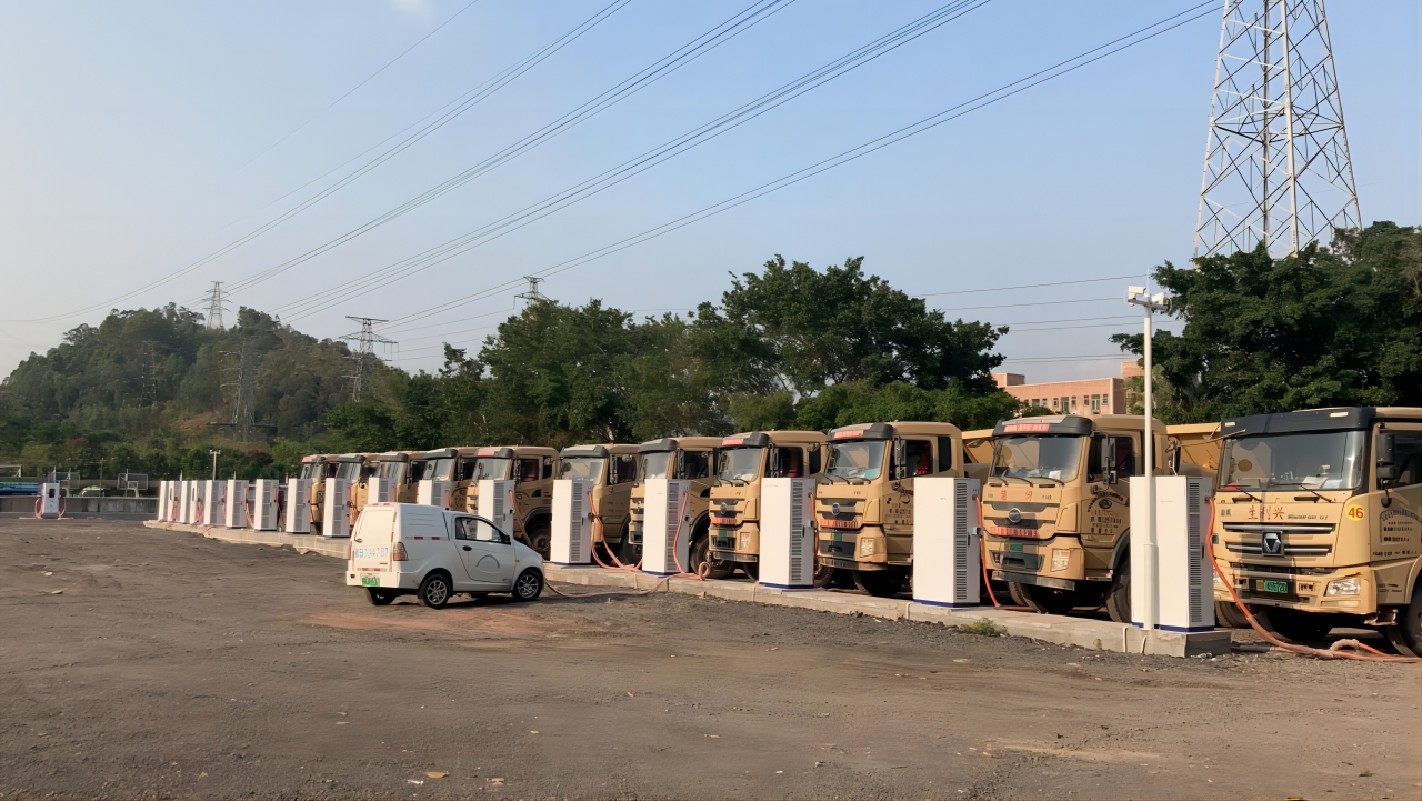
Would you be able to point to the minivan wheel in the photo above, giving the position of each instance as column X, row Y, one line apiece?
column 528, row 586
column 379, row 597
column 435, row 591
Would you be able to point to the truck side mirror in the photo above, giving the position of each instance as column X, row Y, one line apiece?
column 1108, row 459
column 897, row 467
column 1386, row 464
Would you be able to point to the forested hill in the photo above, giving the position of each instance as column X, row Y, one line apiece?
column 148, row 382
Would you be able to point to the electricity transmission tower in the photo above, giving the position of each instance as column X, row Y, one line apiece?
column 531, row 295
column 216, row 303
column 365, row 352
column 242, row 390
column 1277, row 168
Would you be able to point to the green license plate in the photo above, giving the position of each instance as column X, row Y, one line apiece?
column 1015, row 547
column 1270, row 585
column 370, row 581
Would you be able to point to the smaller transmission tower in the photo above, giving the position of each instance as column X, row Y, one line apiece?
column 243, row 391
column 531, row 295
column 365, row 340
column 216, row 304
column 1277, row 167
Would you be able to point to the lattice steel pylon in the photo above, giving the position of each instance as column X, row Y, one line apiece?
column 365, row 351
column 216, row 303
column 1277, row 168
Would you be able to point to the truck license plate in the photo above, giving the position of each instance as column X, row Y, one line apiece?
column 1015, row 547
column 1271, row 585
column 370, row 581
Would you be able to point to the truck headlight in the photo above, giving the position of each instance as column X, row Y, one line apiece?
column 1347, row 586
column 1060, row 560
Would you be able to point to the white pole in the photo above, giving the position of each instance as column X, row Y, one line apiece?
column 1148, row 449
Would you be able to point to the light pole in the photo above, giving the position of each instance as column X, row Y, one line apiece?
column 214, row 463
column 1136, row 296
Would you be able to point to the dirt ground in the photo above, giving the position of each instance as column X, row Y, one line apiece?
column 146, row 664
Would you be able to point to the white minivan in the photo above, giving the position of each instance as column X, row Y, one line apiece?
column 409, row 548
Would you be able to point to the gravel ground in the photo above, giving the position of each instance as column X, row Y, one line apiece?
column 148, row 664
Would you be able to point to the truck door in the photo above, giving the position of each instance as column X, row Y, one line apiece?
column 1395, row 530
column 487, row 559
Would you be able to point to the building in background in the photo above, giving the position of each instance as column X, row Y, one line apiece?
column 1087, row 397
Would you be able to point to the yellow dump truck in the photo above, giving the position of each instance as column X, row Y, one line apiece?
column 532, row 469
column 317, row 468
column 356, row 468
column 1056, row 509
column 612, row 467
column 1318, row 515
column 864, row 501
column 744, row 460
column 691, row 459
column 452, row 466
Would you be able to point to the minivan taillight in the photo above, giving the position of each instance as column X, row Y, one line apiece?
column 397, row 553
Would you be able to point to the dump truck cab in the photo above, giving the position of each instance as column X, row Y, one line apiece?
column 451, row 466
column 532, row 469
column 612, row 469
column 744, row 460
column 864, row 502
column 392, row 468
column 1056, row 509
column 691, row 459
column 316, row 468
column 1318, row 518
column 357, row 468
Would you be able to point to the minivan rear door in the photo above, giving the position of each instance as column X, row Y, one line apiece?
column 371, row 542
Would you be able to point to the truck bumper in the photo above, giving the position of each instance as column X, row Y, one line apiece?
column 1308, row 592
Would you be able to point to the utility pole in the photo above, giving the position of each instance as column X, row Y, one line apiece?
column 1277, row 165
column 216, row 303
column 1136, row 296
column 365, row 340
column 214, row 463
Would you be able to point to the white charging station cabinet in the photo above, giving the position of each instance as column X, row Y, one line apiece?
column 433, row 493
column 265, row 503
column 51, row 503
column 380, row 490
column 298, row 506
column 572, row 522
column 214, row 507
column 199, row 502
column 336, row 513
column 236, row 512
column 162, row 501
column 1180, row 587
column 947, row 537
column 665, row 530
column 787, row 540
column 496, row 504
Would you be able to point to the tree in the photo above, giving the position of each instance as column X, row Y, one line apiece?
column 1325, row 327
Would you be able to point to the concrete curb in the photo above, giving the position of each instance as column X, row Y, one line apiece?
column 1095, row 635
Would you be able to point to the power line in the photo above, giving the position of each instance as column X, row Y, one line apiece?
column 466, row 101
column 363, row 82
column 982, row 101
column 668, row 150
column 1028, row 286
column 743, row 21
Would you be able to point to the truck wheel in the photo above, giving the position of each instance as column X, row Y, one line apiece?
column 751, row 569
column 627, row 553
column 1118, row 598
column 1228, row 616
column 540, row 536
column 379, row 597
column 1045, row 600
column 1291, row 624
column 701, row 555
column 528, row 586
column 1406, row 633
column 879, row 583
column 435, row 590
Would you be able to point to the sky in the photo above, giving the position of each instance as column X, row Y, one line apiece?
column 139, row 140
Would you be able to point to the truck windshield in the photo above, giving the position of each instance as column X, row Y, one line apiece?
column 491, row 470
column 1322, row 460
column 1054, row 458
column 310, row 469
column 349, row 471
column 853, row 461
column 739, row 464
column 394, row 472
column 440, row 470
column 656, row 465
column 581, row 468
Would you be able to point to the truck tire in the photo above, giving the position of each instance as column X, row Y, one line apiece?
column 540, row 536
column 435, row 591
column 1406, row 633
column 1296, row 626
column 751, row 569
column 879, row 583
column 1118, row 598
column 1045, row 600
column 380, row 597
column 1228, row 616
column 701, row 554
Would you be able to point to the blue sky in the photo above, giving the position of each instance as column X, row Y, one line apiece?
column 137, row 139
